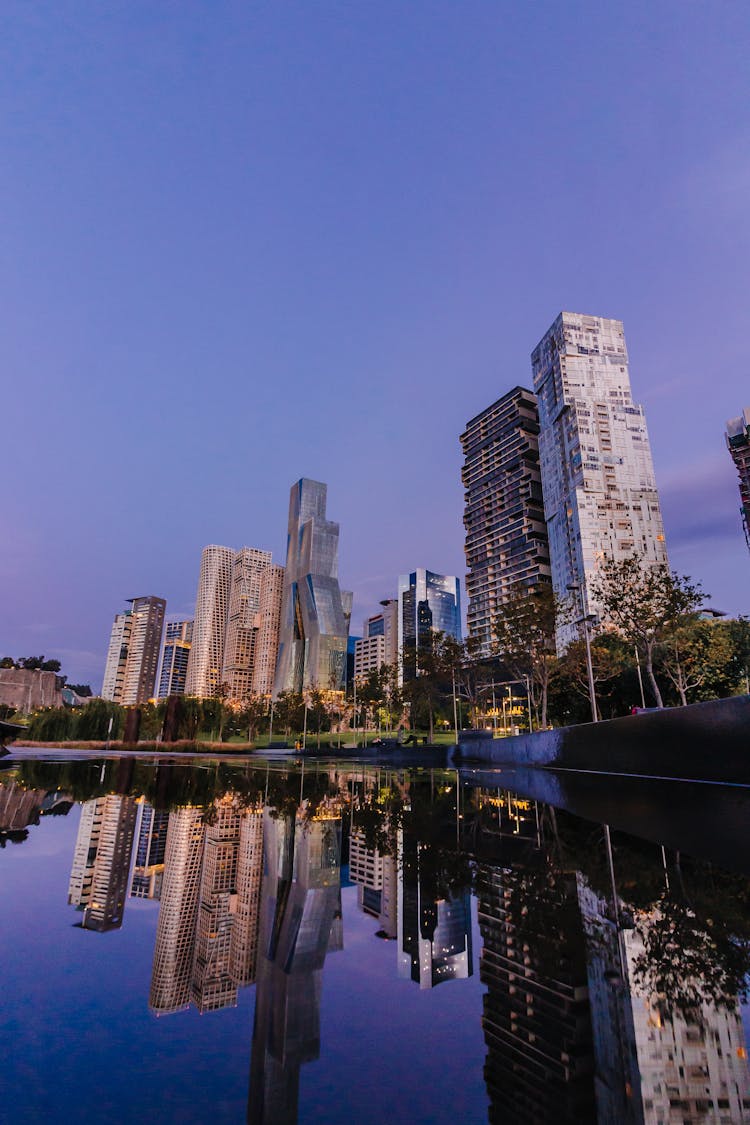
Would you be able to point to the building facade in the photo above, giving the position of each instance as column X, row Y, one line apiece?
column 315, row 612
column 738, row 443
column 600, row 498
column 427, row 603
column 178, row 637
column 206, row 662
column 267, row 621
column 133, row 653
column 248, row 570
column 506, row 534
column 235, row 635
column 369, row 655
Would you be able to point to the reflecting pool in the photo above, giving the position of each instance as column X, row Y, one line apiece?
column 331, row 941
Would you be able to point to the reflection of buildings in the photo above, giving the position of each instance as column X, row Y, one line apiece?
column 19, row 807
column 571, row 1034
column 148, row 871
column 299, row 923
column 133, row 654
column 315, row 612
column 101, row 861
column 206, row 934
column 377, row 883
column 692, row 1070
column 536, row 1017
column 175, row 930
column 434, row 933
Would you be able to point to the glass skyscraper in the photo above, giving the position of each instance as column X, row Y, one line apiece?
column 427, row 603
column 315, row 612
column 506, row 536
column 178, row 636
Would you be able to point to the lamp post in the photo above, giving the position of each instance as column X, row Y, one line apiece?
column 455, row 707
column 584, row 620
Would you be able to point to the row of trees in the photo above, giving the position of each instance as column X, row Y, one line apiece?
column 653, row 646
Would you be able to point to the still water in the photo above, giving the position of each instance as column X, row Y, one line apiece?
column 336, row 942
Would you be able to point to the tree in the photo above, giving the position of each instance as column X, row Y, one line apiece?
column 432, row 661
column 316, row 705
column 370, row 693
column 694, row 653
column 288, row 710
column 525, row 639
column 643, row 602
column 253, row 713
column 37, row 663
column 607, row 663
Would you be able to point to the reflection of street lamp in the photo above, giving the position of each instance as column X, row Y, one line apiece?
column 584, row 620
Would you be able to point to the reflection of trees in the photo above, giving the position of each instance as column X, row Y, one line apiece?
column 696, row 942
column 692, row 918
column 425, row 813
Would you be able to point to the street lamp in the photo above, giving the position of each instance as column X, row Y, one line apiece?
column 584, row 620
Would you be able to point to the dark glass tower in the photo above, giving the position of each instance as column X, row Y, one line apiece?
column 506, row 536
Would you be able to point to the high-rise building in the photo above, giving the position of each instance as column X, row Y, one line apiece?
column 427, row 603
column 506, row 536
column 369, row 655
column 267, row 621
column 738, row 443
column 600, row 498
column 315, row 612
column 378, row 644
column 206, row 662
column 248, row 570
column 133, row 654
column 178, row 636
column 235, row 636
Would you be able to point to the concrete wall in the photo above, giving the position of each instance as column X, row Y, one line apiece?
column 26, row 689
column 703, row 742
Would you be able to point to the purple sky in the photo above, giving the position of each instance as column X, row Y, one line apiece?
column 243, row 244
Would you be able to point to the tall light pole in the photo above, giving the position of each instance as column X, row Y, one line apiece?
column 455, row 708
column 584, row 620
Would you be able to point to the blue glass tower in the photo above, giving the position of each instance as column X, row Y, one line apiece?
column 427, row 603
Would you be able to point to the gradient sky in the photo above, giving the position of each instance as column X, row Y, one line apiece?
column 247, row 243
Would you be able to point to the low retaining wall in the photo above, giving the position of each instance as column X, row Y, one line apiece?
column 703, row 742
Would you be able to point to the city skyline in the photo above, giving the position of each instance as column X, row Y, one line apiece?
column 188, row 253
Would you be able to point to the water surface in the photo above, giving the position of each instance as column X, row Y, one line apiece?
column 230, row 942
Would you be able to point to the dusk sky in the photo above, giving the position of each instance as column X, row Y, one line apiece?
column 246, row 243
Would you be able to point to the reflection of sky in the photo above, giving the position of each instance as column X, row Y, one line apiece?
column 78, row 1033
